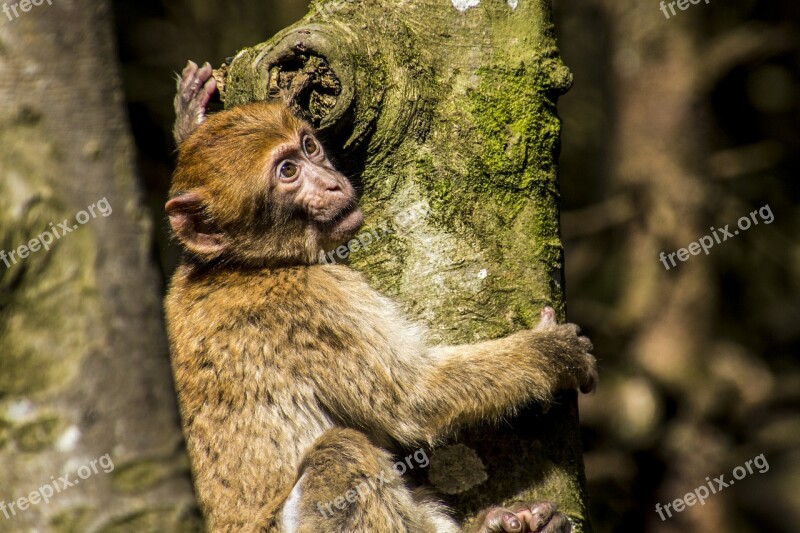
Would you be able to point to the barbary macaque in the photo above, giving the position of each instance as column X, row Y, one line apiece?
column 295, row 377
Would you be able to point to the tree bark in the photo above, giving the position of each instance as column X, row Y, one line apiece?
column 83, row 358
column 451, row 106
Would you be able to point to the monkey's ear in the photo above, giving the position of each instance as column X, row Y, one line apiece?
column 190, row 225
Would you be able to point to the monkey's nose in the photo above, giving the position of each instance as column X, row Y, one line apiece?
column 333, row 186
column 330, row 184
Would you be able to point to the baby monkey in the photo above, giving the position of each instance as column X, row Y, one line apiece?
column 294, row 377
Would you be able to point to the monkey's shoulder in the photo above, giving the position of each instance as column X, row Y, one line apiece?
column 299, row 292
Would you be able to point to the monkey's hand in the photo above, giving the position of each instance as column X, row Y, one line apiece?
column 524, row 518
column 567, row 353
column 196, row 86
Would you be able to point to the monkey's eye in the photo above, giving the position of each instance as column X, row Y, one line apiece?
column 310, row 145
column 287, row 170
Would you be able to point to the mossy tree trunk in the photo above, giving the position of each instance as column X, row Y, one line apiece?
column 83, row 359
column 450, row 103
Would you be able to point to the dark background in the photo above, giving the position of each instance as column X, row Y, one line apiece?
column 672, row 126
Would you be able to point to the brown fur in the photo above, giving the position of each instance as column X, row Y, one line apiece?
column 291, row 373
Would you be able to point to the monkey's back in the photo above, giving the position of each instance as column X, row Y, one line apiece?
column 249, row 410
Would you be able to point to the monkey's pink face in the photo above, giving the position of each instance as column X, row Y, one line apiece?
column 304, row 176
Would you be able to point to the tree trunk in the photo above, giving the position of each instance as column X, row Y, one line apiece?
column 85, row 388
column 446, row 113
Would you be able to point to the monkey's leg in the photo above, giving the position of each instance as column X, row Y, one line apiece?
column 346, row 484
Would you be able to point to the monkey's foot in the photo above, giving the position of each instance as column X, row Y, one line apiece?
column 540, row 517
column 196, row 86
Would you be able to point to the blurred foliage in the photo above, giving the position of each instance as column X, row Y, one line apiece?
column 648, row 439
column 649, row 436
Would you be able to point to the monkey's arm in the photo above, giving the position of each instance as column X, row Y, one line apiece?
column 423, row 397
column 486, row 380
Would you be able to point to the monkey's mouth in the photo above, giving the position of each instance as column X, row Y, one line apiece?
column 345, row 224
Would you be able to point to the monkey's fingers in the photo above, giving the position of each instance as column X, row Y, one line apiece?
column 196, row 86
column 501, row 520
column 547, row 317
column 570, row 354
column 189, row 70
column 592, row 376
column 192, row 79
column 542, row 517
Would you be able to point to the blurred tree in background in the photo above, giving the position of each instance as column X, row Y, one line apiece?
column 83, row 367
column 674, row 126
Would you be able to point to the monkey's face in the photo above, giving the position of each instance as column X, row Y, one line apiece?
column 305, row 182
column 253, row 185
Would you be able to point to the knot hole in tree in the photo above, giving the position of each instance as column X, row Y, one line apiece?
column 314, row 78
column 307, row 84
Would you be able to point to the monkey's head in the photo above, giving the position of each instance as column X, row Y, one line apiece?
column 253, row 186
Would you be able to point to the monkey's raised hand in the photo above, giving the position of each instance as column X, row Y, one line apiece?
column 196, row 86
